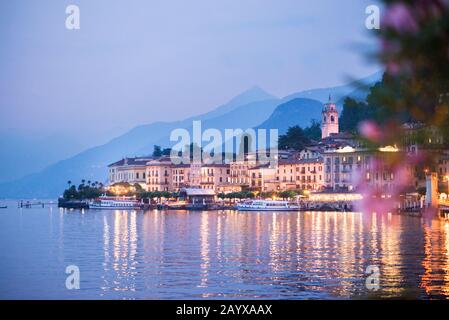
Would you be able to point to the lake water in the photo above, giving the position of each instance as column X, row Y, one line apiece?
column 220, row 254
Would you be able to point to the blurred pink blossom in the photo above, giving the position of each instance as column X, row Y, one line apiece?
column 390, row 47
column 393, row 68
column 370, row 131
column 379, row 198
column 399, row 18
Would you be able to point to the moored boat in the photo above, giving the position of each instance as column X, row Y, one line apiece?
column 115, row 203
column 268, row 205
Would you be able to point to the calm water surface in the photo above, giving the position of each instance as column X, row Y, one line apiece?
column 219, row 254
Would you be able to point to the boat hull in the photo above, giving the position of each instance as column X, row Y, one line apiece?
column 113, row 208
column 267, row 209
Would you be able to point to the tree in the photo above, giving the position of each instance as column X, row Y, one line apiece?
column 82, row 193
column 157, row 151
column 295, row 138
column 288, row 194
column 70, row 193
column 374, row 108
column 268, row 194
column 221, row 196
column 415, row 52
column 137, row 187
column 313, row 132
column 166, row 151
column 353, row 112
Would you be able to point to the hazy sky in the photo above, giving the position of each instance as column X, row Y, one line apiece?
column 135, row 62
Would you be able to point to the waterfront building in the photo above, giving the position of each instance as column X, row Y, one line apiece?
column 311, row 152
column 302, row 174
column 197, row 196
column 215, row 177
column 159, row 174
column 418, row 136
column 343, row 166
column 431, row 143
column 129, row 170
column 180, row 176
column 443, row 173
column 443, row 165
column 263, row 177
column 239, row 170
column 347, row 168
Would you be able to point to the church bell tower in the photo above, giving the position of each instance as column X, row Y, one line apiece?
column 329, row 119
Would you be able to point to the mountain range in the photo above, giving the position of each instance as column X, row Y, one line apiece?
column 254, row 108
column 298, row 111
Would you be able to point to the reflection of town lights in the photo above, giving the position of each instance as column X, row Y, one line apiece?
column 346, row 149
column 389, row 149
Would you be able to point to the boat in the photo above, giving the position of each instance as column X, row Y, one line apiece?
column 268, row 205
column 3, row 207
column 115, row 203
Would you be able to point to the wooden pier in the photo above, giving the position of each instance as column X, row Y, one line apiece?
column 33, row 204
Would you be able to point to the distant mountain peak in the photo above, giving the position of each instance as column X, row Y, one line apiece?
column 298, row 111
column 255, row 93
column 252, row 95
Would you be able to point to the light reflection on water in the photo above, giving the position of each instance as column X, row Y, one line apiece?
column 220, row 254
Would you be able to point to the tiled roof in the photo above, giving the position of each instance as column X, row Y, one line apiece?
column 136, row 161
column 162, row 161
column 216, row 165
column 261, row 166
column 299, row 161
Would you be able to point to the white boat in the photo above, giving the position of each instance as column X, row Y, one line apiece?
column 115, row 203
column 268, row 205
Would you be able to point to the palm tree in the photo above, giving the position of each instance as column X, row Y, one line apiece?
column 69, row 183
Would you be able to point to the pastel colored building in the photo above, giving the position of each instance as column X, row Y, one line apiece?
column 159, row 174
column 130, row 170
column 300, row 174
column 262, row 178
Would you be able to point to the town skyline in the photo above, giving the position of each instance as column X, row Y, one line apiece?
column 250, row 109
